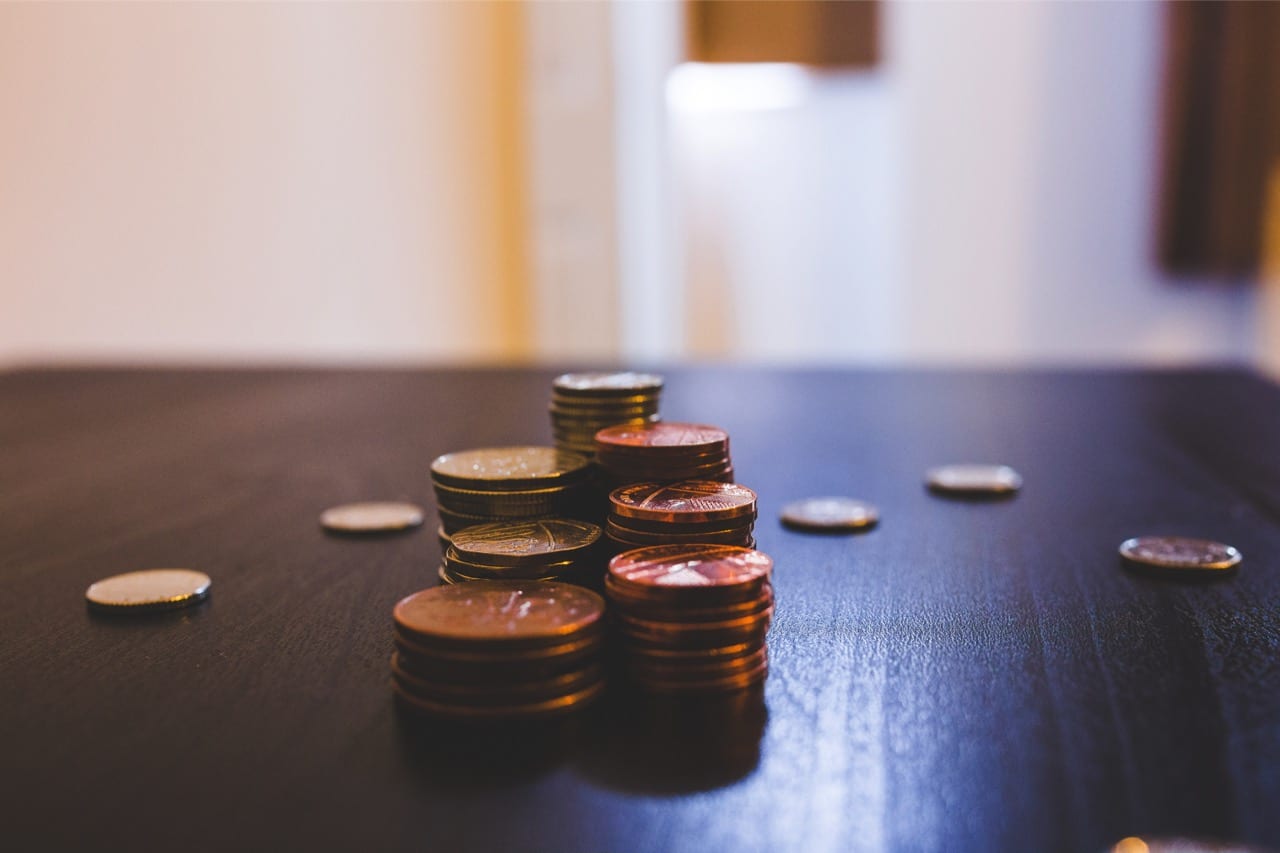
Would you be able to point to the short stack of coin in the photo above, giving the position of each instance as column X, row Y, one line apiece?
column 663, row 453
column 549, row 549
column 582, row 404
column 685, row 512
column 692, row 618
column 509, row 484
column 498, row 650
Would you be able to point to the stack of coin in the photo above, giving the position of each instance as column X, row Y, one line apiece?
column 498, row 650
column 663, row 453
column 692, row 618
column 550, row 549
column 509, row 484
column 680, row 513
column 582, row 404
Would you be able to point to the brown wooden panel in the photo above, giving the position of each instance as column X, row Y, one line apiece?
column 811, row 32
column 1221, row 135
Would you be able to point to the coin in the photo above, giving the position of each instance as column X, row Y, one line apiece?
column 373, row 517
column 598, row 383
column 533, row 710
column 515, row 543
column 499, row 613
column 149, row 590
column 972, row 479
column 499, row 691
column 831, row 513
column 683, row 502
column 722, row 572
column 665, row 438
column 736, row 681
column 509, row 468
column 1180, row 556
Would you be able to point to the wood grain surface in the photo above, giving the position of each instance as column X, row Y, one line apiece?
column 968, row 676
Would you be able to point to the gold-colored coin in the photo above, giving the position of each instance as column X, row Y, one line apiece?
column 149, row 590
column 506, row 614
column 1178, row 556
column 970, row 479
column 832, row 513
column 509, row 468
column 519, row 543
column 371, row 517
column 532, row 570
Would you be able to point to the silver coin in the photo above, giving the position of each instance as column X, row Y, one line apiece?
column 1179, row 554
column 607, row 383
column 830, row 513
column 149, row 590
column 970, row 479
column 376, row 517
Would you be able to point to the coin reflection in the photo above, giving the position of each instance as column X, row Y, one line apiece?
column 666, row 745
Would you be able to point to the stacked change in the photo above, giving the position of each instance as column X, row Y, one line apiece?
column 663, row 453
column 498, row 650
column 681, row 513
column 582, row 404
column 508, row 484
column 692, row 618
column 549, row 549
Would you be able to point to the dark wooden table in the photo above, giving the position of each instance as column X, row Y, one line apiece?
column 969, row 676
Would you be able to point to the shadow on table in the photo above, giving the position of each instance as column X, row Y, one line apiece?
column 658, row 745
column 457, row 756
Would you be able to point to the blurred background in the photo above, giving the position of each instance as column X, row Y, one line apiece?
column 794, row 182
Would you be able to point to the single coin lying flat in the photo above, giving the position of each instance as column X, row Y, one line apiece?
column 830, row 513
column 1179, row 556
column 148, row 591
column 375, row 517
column 974, row 480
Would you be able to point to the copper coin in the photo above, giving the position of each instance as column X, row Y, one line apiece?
column 508, row 468
column 499, row 613
column 830, row 514
column 726, row 572
column 526, row 688
column 605, row 384
column 372, row 517
column 627, row 602
column 641, row 525
column 532, row 710
column 686, row 501
column 665, row 437
column 677, row 629
column 972, row 479
column 580, row 646
column 698, row 670
column 1180, row 556
column 516, row 543
column 148, row 591
column 739, row 536
column 737, row 681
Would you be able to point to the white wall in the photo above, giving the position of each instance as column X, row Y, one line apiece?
column 986, row 196
column 258, row 181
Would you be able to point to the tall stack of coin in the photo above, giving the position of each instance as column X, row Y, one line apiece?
column 509, row 484
column 685, row 512
column 663, row 453
column 692, row 618
column 582, row 404
column 498, row 650
column 550, row 549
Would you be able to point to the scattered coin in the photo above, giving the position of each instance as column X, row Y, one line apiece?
column 1178, row 555
column 831, row 513
column 149, row 590
column 374, row 517
column 974, row 480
